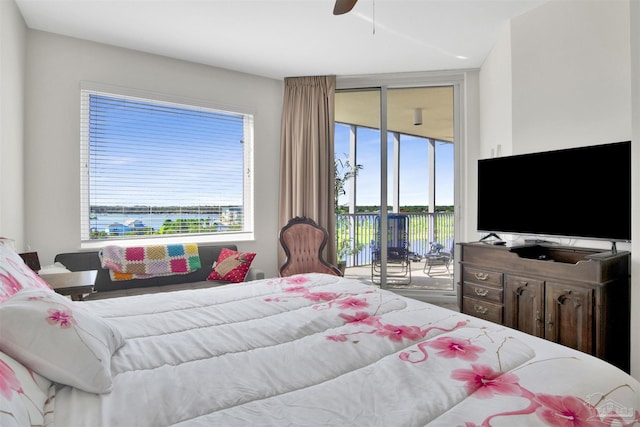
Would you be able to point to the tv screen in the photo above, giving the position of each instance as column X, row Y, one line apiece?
column 579, row 193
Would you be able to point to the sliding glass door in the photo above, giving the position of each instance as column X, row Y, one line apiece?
column 394, row 151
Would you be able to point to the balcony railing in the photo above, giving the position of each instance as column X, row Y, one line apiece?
column 424, row 228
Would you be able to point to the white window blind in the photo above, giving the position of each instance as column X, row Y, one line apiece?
column 153, row 168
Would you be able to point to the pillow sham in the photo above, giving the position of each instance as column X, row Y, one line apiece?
column 23, row 394
column 15, row 275
column 60, row 339
column 231, row 266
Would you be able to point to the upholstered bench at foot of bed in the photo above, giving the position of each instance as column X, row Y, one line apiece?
column 104, row 287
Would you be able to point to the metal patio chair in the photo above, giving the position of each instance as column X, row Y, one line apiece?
column 398, row 261
column 437, row 255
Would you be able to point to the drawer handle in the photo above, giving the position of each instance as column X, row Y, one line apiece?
column 481, row 292
column 481, row 276
column 480, row 309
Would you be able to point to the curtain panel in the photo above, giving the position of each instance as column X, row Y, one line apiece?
column 306, row 154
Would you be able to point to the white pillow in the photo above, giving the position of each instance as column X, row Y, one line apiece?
column 15, row 275
column 22, row 394
column 58, row 338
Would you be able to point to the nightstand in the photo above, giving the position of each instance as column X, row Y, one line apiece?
column 74, row 284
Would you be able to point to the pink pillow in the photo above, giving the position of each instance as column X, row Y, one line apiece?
column 15, row 275
column 232, row 266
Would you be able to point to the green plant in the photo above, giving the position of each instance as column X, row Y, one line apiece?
column 343, row 171
column 348, row 247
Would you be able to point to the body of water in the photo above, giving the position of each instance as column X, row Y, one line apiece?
column 102, row 221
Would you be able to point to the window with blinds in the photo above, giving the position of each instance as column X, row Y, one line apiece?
column 156, row 168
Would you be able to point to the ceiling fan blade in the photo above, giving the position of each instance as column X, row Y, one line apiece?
column 343, row 6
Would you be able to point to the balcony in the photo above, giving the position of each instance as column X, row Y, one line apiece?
column 424, row 228
column 439, row 279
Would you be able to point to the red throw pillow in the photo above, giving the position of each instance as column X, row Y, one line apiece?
column 232, row 266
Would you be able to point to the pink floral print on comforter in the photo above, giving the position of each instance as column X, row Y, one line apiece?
column 322, row 350
column 480, row 381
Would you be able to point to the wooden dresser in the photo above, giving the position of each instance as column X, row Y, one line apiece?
column 577, row 297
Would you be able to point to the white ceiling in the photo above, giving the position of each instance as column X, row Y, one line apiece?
column 286, row 38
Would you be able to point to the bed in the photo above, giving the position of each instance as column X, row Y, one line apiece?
column 304, row 350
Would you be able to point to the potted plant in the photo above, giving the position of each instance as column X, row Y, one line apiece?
column 343, row 171
column 346, row 248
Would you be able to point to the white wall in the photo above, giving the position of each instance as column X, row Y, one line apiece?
column 495, row 124
column 55, row 67
column 496, row 99
column 635, row 201
column 12, row 67
column 571, row 74
column 570, row 69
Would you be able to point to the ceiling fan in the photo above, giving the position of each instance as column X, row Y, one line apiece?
column 343, row 6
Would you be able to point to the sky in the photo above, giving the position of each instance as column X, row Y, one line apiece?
column 188, row 147
column 153, row 154
column 414, row 181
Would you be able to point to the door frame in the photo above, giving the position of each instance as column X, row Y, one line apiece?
column 458, row 80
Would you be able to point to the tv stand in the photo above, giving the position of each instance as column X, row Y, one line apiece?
column 578, row 297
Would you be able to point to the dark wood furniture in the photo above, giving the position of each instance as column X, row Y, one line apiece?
column 31, row 259
column 75, row 284
column 577, row 297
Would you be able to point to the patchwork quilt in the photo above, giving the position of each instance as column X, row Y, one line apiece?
column 142, row 262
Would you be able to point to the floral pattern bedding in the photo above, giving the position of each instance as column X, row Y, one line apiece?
column 324, row 350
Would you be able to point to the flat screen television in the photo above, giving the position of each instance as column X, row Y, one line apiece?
column 578, row 193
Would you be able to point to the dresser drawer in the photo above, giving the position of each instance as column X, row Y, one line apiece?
column 482, row 309
column 484, row 277
column 481, row 292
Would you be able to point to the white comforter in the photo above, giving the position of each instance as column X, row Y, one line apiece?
column 321, row 350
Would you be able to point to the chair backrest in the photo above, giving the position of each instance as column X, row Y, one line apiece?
column 435, row 248
column 303, row 241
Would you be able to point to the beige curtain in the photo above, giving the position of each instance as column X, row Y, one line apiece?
column 306, row 154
